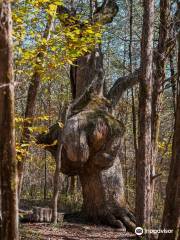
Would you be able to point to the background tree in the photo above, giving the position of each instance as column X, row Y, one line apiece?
column 144, row 161
column 171, row 215
column 32, row 95
column 164, row 47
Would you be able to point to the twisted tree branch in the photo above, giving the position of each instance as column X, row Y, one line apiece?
column 121, row 85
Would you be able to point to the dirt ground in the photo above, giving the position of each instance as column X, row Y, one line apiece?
column 71, row 231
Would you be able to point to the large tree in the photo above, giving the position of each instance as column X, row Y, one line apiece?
column 92, row 137
column 9, row 203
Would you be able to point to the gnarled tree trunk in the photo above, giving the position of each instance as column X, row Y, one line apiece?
column 92, row 137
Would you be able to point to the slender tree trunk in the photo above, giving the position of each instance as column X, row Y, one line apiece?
column 56, row 186
column 173, row 80
column 144, row 163
column 45, row 177
column 31, row 102
column 8, row 170
column 131, row 70
column 159, row 76
column 56, row 182
column 158, row 85
column 72, row 185
column 171, row 215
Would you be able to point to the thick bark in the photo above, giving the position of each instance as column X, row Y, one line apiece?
column 144, row 161
column 31, row 102
column 171, row 215
column 8, row 170
column 91, row 67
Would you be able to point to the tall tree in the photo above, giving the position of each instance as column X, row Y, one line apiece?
column 171, row 215
column 9, row 229
column 92, row 138
column 144, row 161
column 160, row 59
column 131, row 70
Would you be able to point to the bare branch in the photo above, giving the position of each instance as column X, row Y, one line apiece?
column 9, row 84
column 121, row 85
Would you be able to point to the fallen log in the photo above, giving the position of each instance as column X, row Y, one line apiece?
column 39, row 214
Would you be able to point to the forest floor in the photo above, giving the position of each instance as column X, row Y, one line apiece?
column 71, row 231
column 74, row 227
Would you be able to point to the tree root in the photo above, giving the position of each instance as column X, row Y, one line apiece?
column 110, row 220
column 120, row 218
column 127, row 218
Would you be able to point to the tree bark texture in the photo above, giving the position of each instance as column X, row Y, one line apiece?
column 8, row 170
column 171, row 215
column 144, row 161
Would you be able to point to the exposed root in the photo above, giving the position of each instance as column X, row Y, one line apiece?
column 126, row 217
column 121, row 218
column 111, row 220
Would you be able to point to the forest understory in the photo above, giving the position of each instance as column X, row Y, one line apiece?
column 74, row 226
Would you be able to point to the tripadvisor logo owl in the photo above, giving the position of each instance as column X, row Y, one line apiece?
column 139, row 231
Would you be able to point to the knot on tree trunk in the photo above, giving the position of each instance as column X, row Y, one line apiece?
column 90, row 139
